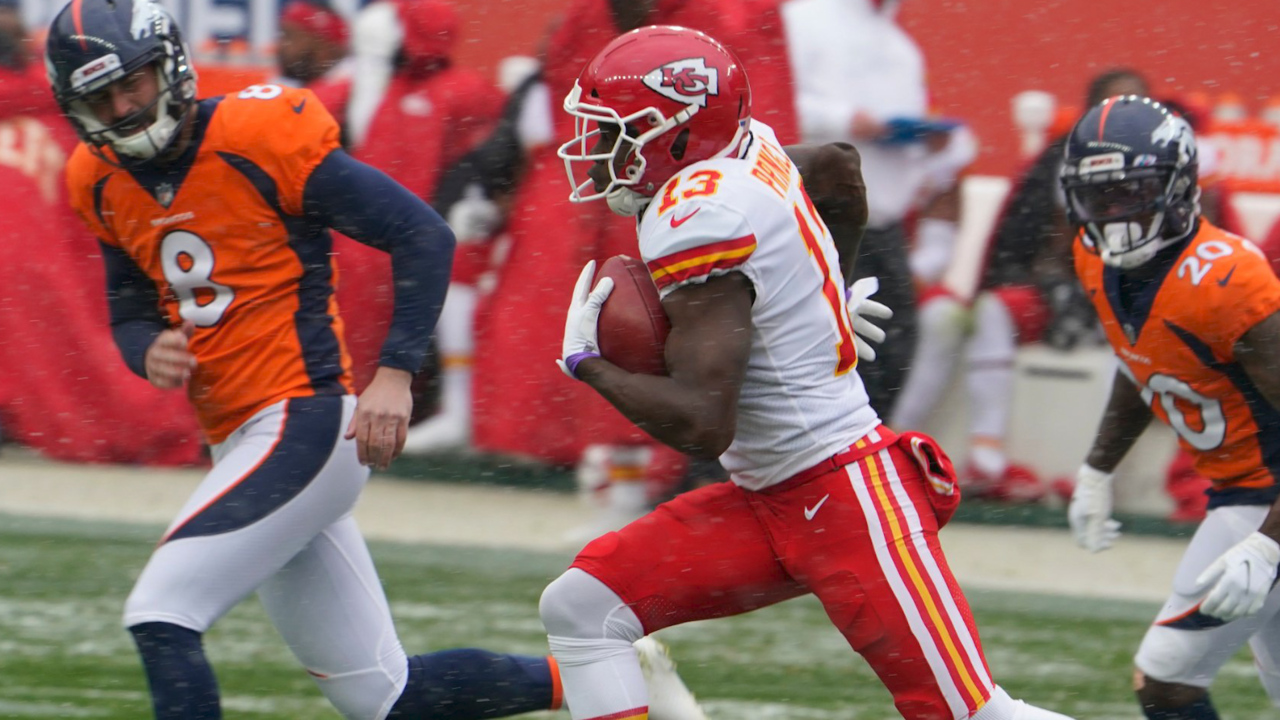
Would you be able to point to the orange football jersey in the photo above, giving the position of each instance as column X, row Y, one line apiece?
column 221, row 233
column 1177, row 343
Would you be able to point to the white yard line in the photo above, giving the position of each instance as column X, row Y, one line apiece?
column 981, row 556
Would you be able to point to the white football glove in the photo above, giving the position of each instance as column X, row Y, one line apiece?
column 1241, row 578
column 474, row 217
column 861, row 306
column 580, row 340
column 1090, row 510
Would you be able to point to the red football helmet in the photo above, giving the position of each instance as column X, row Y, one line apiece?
column 677, row 97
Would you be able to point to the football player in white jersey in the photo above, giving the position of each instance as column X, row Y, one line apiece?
column 761, row 358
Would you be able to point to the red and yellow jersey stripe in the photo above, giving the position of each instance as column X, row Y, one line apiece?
column 700, row 261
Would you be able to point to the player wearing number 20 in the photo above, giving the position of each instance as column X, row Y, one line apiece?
column 823, row 499
column 212, row 219
column 1193, row 314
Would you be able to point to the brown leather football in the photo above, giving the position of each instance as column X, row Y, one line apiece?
column 633, row 327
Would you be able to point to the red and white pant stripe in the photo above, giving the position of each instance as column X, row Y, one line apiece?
column 921, row 588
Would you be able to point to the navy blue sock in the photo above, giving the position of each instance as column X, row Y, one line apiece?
column 182, row 683
column 468, row 684
column 1201, row 709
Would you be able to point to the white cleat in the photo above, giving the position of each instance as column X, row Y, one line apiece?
column 669, row 699
column 438, row 433
column 1025, row 711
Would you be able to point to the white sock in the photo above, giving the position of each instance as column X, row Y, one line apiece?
column 942, row 328
column 590, row 632
column 935, row 245
column 988, row 460
column 990, row 378
column 455, row 390
column 628, row 483
column 455, row 338
column 600, row 677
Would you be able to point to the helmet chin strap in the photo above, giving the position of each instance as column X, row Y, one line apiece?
column 1124, row 234
column 627, row 202
column 148, row 143
column 156, row 137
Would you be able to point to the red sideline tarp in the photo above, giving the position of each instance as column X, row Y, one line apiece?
column 63, row 388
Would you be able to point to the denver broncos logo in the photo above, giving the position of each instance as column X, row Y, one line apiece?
column 688, row 81
column 1175, row 129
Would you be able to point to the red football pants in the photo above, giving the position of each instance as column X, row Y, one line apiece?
column 863, row 538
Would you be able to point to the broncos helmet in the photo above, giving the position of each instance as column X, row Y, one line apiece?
column 1129, row 173
column 93, row 43
column 677, row 96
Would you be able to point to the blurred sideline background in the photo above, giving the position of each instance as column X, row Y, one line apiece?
column 1012, row 70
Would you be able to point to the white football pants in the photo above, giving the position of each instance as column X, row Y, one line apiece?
column 1187, row 648
column 273, row 515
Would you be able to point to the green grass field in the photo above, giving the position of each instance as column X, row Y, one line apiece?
column 63, row 653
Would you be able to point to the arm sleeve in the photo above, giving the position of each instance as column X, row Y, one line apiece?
column 134, row 305
column 364, row 203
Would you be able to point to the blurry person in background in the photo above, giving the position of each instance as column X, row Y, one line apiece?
column 475, row 197
column 14, row 52
column 409, row 111
column 1027, row 293
column 860, row 78
column 312, row 44
column 523, row 407
column 57, row 395
column 23, row 84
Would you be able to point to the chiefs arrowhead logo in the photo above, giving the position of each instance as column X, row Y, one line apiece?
column 688, row 81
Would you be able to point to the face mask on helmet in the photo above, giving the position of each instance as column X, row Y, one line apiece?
column 1129, row 176
column 601, row 136
column 616, row 145
column 145, row 52
column 1117, row 201
column 651, row 103
column 1131, row 219
column 141, row 135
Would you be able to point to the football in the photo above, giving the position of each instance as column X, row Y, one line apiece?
column 633, row 327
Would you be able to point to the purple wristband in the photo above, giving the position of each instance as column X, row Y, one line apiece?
column 572, row 361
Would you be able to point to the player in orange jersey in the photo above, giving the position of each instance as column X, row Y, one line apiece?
column 213, row 220
column 1193, row 314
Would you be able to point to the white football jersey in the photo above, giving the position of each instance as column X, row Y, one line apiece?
column 802, row 400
